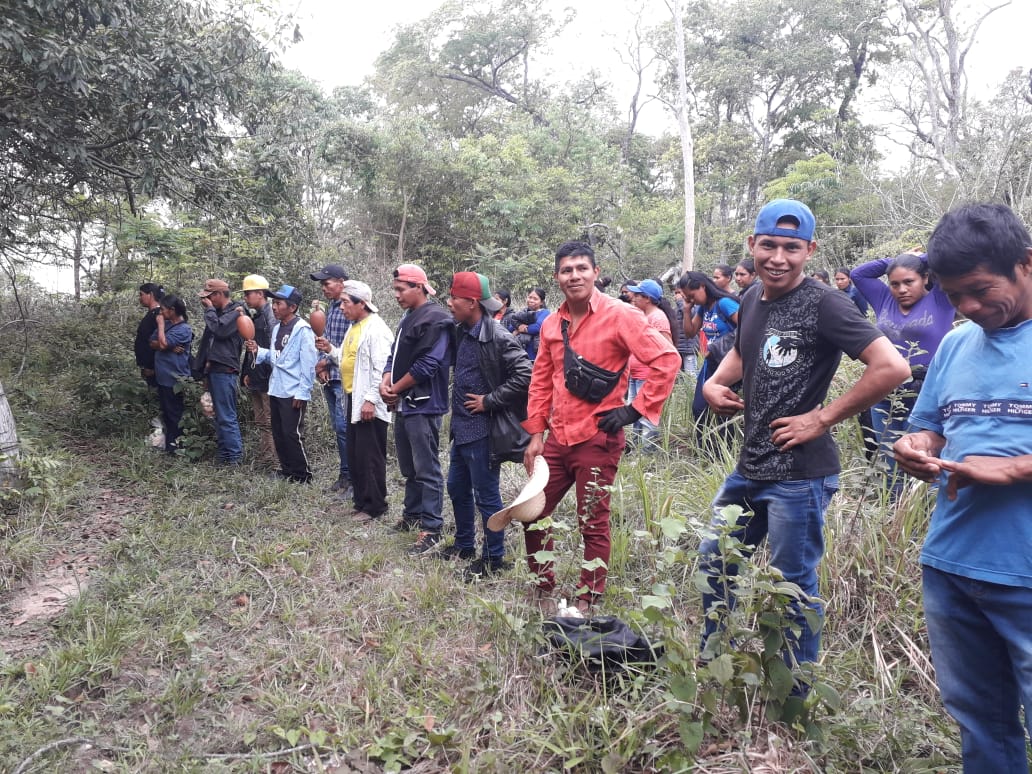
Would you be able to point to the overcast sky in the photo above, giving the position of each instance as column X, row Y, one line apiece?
column 343, row 39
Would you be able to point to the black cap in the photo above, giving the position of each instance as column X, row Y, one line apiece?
column 334, row 271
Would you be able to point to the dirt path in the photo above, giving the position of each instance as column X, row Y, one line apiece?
column 26, row 610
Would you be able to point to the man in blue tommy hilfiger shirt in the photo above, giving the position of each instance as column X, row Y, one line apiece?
column 972, row 433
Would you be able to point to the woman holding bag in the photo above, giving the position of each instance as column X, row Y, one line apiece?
column 715, row 315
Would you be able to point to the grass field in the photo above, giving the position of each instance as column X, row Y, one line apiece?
column 235, row 623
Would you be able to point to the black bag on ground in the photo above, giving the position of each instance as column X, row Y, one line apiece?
column 604, row 643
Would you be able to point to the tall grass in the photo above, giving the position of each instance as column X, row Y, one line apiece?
column 236, row 621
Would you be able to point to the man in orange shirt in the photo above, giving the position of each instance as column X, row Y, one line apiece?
column 577, row 394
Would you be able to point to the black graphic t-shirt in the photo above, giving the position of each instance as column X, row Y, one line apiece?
column 790, row 349
column 283, row 335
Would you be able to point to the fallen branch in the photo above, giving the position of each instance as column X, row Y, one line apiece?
column 264, row 577
column 24, row 765
column 19, row 322
column 245, row 756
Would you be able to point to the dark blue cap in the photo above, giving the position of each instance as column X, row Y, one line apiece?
column 287, row 293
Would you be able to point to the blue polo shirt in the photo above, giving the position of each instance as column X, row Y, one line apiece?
column 977, row 395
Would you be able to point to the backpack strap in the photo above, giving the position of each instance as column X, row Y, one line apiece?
column 728, row 320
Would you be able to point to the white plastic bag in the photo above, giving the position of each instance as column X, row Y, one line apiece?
column 207, row 404
column 157, row 438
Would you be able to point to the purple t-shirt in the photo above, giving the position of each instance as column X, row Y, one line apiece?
column 918, row 332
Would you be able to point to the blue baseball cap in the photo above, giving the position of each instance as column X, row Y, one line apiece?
column 287, row 293
column 786, row 209
column 648, row 288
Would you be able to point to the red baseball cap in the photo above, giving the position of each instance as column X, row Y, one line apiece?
column 409, row 272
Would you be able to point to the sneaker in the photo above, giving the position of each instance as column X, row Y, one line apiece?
column 405, row 524
column 424, row 543
column 455, row 552
column 484, row 567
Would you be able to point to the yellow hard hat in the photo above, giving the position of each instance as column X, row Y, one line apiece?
column 255, row 282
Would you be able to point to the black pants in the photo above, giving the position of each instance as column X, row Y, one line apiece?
column 171, row 404
column 367, row 461
column 288, row 433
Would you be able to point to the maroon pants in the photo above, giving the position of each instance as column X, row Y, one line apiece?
column 591, row 467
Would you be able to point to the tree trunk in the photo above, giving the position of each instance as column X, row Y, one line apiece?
column 77, row 259
column 404, row 222
column 687, row 143
column 939, row 49
column 8, row 443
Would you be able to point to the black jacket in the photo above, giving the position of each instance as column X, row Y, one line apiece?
column 419, row 333
column 259, row 374
column 144, row 331
column 506, row 369
column 220, row 345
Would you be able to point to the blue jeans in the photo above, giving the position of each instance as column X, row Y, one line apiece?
column 646, row 433
column 690, row 363
column 172, row 405
column 790, row 514
column 223, row 389
column 417, row 441
column 889, row 421
column 981, row 638
column 472, row 479
column 332, row 391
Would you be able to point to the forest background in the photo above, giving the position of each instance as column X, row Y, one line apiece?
column 165, row 141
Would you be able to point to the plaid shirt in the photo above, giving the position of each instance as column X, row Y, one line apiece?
column 336, row 328
column 467, row 427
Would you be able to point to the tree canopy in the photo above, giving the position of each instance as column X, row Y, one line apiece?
column 463, row 149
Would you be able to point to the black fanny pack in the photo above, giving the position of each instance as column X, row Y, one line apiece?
column 584, row 379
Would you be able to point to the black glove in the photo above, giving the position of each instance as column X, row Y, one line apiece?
column 613, row 420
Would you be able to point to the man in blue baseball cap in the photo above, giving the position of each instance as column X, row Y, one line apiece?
column 293, row 355
column 788, row 345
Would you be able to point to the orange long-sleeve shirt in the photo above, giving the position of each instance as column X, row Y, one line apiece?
column 607, row 336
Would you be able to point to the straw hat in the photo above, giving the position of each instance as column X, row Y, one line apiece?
column 530, row 502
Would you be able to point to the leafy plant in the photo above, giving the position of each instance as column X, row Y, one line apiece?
column 37, row 477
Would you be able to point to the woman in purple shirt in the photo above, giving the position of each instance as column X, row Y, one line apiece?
column 914, row 314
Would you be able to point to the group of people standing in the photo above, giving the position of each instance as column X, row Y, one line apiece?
column 968, row 433
column 601, row 365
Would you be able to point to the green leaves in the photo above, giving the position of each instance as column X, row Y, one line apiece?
column 132, row 102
